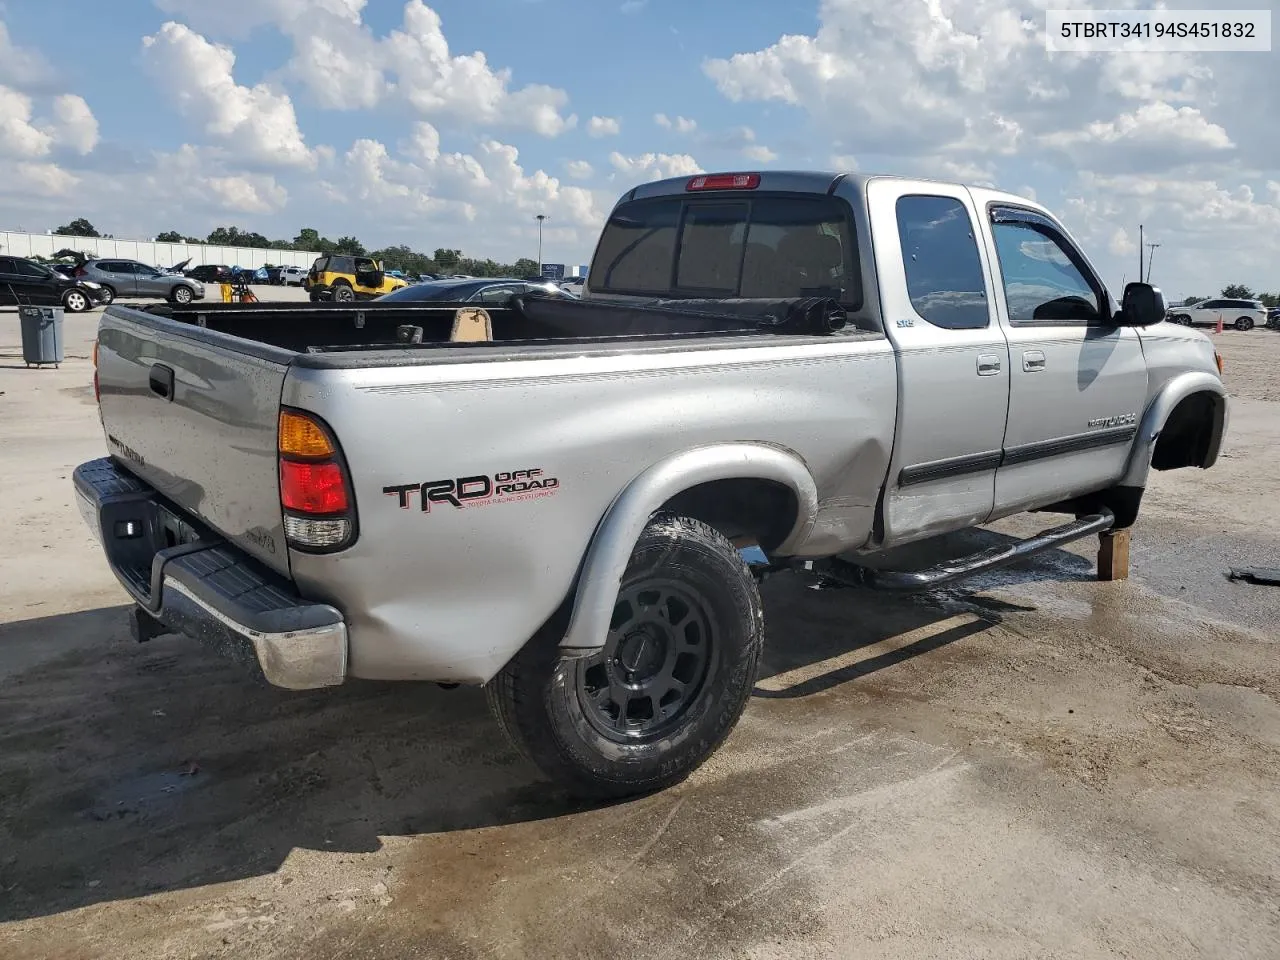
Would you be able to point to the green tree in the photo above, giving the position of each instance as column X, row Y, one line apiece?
column 1237, row 291
column 349, row 245
column 446, row 259
column 80, row 227
column 169, row 236
column 1270, row 300
column 524, row 267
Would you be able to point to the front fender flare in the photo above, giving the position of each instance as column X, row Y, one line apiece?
column 610, row 549
column 1157, row 415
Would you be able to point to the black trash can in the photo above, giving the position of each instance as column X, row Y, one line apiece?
column 41, row 335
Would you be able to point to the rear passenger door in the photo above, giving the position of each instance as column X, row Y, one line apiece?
column 936, row 302
column 120, row 275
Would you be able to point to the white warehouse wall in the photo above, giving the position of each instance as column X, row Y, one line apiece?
column 150, row 253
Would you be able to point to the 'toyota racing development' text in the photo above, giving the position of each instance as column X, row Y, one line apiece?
column 505, row 487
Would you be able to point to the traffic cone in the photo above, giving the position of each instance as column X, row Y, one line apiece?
column 1219, row 329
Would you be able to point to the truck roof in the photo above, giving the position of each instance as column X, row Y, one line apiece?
column 804, row 181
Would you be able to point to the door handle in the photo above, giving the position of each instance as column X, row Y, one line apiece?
column 161, row 378
column 1033, row 361
column 988, row 364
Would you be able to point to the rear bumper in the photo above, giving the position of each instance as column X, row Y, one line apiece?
column 194, row 582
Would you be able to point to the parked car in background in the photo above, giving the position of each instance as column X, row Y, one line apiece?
column 25, row 282
column 210, row 273
column 494, row 290
column 343, row 278
column 1273, row 318
column 573, row 284
column 286, row 276
column 1240, row 314
column 66, row 269
column 129, row 278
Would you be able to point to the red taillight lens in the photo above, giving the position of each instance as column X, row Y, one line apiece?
column 724, row 181
column 315, row 488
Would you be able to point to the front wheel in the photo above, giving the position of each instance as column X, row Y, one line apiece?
column 1244, row 323
column 1181, row 318
column 75, row 301
column 182, row 295
column 342, row 293
column 677, row 667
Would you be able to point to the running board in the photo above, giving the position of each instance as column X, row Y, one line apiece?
column 915, row 580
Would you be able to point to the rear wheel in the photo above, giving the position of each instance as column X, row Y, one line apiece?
column 1244, row 323
column 109, row 295
column 75, row 301
column 677, row 667
column 343, row 293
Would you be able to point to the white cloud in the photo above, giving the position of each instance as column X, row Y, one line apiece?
column 603, row 127
column 258, row 123
column 844, row 161
column 1155, row 136
column 633, row 6
column 42, row 179
column 74, row 123
column 679, row 124
column 19, row 67
column 579, row 169
column 655, row 166
column 1121, row 244
column 19, row 137
column 344, row 66
column 760, row 154
column 192, row 177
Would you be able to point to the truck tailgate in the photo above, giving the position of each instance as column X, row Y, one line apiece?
column 194, row 413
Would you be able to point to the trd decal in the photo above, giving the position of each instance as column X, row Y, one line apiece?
column 459, row 492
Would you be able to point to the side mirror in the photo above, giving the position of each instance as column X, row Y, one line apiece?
column 1143, row 305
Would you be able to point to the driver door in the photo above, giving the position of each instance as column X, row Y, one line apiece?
column 1077, row 380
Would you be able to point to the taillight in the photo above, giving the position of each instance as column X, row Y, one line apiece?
column 315, row 488
column 97, row 392
column 724, row 181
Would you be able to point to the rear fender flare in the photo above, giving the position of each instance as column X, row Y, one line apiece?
column 610, row 548
column 1157, row 415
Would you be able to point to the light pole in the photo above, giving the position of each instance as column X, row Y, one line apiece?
column 540, row 217
column 1141, row 251
column 1150, row 259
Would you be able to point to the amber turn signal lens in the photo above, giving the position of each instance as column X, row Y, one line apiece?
column 1217, row 358
column 302, row 437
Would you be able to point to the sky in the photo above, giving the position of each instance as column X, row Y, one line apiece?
column 456, row 123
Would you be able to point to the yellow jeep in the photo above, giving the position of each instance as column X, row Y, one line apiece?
column 342, row 277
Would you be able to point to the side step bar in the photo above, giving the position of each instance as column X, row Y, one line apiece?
column 915, row 580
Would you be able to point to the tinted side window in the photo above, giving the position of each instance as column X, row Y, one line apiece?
column 944, row 271
column 637, row 247
column 26, row 268
column 1040, row 281
column 6, row 265
column 1211, row 305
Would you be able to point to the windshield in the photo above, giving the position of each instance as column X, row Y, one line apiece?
column 730, row 246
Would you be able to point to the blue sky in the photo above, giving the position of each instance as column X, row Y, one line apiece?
column 347, row 116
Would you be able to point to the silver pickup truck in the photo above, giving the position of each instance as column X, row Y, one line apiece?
column 571, row 502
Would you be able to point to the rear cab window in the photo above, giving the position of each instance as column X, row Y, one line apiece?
column 767, row 246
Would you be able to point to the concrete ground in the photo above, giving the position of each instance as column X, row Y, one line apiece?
column 1038, row 765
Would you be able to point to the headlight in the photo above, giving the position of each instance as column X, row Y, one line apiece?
column 91, row 285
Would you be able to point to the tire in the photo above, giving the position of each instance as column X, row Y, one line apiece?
column 1244, row 323
column 73, row 301
column 111, row 295
column 342, row 293
column 1181, row 318
column 181, row 294
column 694, row 643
